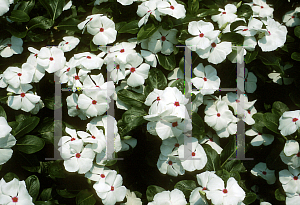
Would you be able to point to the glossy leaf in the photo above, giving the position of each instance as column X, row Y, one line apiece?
column 53, row 7
column 30, row 144
column 146, row 31
column 186, row 186
column 157, row 79
column 85, row 197
column 152, row 190
column 40, row 22
column 213, row 159
column 26, row 126
column 131, row 27
column 271, row 122
column 33, row 186
column 131, row 98
column 19, row 16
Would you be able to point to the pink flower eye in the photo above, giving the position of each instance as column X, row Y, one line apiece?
column 176, row 104
column 213, row 45
column 295, row 177
column 67, row 42
column 218, row 114
column 176, row 145
column 172, row 7
column 223, row 12
column 264, row 172
column 174, row 124
column 102, row 175
column 262, row 7
column 51, row 58
column 158, row 99
column 94, row 102
column 245, row 29
column 293, row 17
column 122, row 51
column 205, row 79
column 19, row 74
column 22, row 95
column 193, row 154
column 15, row 199
column 9, row 45
column 76, row 77
column 88, row 57
column 78, row 155
column 132, row 70
column 101, row 29
column 295, row 119
column 118, row 67
column 201, row 35
column 112, row 188
column 170, row 162
column 77, row 108
column 225, row 191
column 163, row 38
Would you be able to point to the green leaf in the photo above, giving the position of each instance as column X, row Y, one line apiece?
column 53, row 7
column 19, row 16
column 30, row 144
column 101, row 9
column 207, row 12
column 26, row 6
column 131, row 27
column 236, row 24
column 279, row 108
column 22, row 117
column 131, row 98
column 46, row 130
column 65, row 193
column 295, row 97
column 250, row 56
column 69, row 24
column 36, row 37
column 213, row 158
column 234, row 166
column 271, row 122
column 179, row 84
column 152, row 190
column 57, row 170
column 167, row 62
column 2, row 112
column 229, row 151
column 10, row 176
column 146, row 31
column 250, row 198
column 198, row 130
column 33, row 186
column 245, row 11
column 40, row 22
column 193, row 6
column 186, row 186
column 15, row 32
column 181, row 64
column 279, row 196
column 26, row 126
column 295, row 56
column 85, row 197
column 233, row 37
column 49, row 102
column 297, row 31
column 157, row 79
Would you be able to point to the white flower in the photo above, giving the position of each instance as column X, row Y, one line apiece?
column 218, row 194
column 260, row 138
column 96, row 138
column 83, row 25
column 289, row 122
column 146, row 9
column 4, row 127
column 204, row 178
column 197, row 101
column 75, row 78
column 231, row 129
column 170, row 146
column 250, row 81
column 73, row 108
column 280, row 78
column 162, row 41
column 170, row 165
column 290, row 179
column 15, row 76
column 39, row 105
column 290, row 155
column 203, row 33
column 293, row 198
column 52, row 59
column 150, row 58
column 89, row 60
column 166, row 197
column 172, row 8
column 132, row 199
column 153, row 100
column 291, row 19
column 98, row 2
column 103, row 30
column 4, row 6
column 227, row 15
column 261, row 170
column 76, row 157
column 206, row 79
column 110, row 188
column 24, row 101
column 68, row 43
column 137, row 69
column 6, row 143
column 248, row 116
column 261, row 8
column 126, row 2
column 274, row 35
column 213, row 141
column 117, row 69
column 3, row 83
column 97, row 172
column 10, row 46
column 218, row 115
column 39, row 71
column 119, row 51
column 127, row 143
column 216, row 52
column 253, row 26
column 196, row 157
column 196, row 198
column 14, row 192
column 63, row 74
column 175, row 75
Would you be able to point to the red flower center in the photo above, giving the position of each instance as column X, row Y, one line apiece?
column 298, row 154
column 76, row 77
column 158, row 99
column 293, row 17
column 211, row 139
column 204, row 188
column 172, row 7
column 36, row 55
column 91, row 19
column 88, row 57
column 9, row 45
column 193, row 154
column 68, row 69
column 102, row 175
column 213, row 45
column 264, row 172
column 77, row 107
column 51, row 58
column 132, row 69
column 101, row 29
column 112, row 188
column 249, row 112
column 174, row 124
column 245, row 29
column 176, row 104
column 117, row 66
column 170, row 162
column 205, row 79
column 176, row 145
column 295, row 177
column 201, row 35
column 78, row 155
column 261, row 7
column 94, row 102
column 93, row 137
column 67, row 42
column 225, row 191
column 122, row 50
column 22, row 95
column 237, row 101
column 163, row 38
column 19, row 74
column 259, row 133
column 269, row 32
column 218, row 114
column 72, row 139
column 223, row 12
column 14, row 199
column 254, row 4
column 295, row 119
